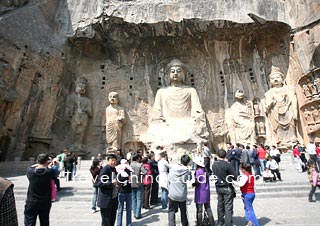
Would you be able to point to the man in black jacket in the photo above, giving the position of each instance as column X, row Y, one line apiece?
column 69, row 166
column 39, row 192
column 224, row 174
column 154, row 200
column 234, row 156
column 107, row 195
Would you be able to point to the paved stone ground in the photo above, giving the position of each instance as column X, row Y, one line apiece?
column 270, row 211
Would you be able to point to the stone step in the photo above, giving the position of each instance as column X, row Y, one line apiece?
column 259, row 189
column 262, row 195
column 85, row 193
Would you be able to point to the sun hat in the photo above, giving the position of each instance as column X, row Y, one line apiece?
column 199, row 161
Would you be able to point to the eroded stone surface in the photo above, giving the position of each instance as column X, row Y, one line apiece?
column 124, row 46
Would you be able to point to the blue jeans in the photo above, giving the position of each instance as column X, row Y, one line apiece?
column 164, row 198
column 137, row 201
column 263, row 163
column 248, row 208
column 94, row 197
column 124, row 197
column 74, row 170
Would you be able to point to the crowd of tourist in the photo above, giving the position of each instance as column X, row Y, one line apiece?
column 137, row 175
column 125, row 185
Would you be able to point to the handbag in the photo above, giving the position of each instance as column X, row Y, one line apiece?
column 205, row 221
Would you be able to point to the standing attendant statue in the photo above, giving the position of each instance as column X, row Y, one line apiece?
column 281, row 108
column 78, row 111
column 115, row 119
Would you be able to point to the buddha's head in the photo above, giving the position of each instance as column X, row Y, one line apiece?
column 81, row 85
column 239, row 95
column 113, row 98
column 177, row 72
column 276, row 77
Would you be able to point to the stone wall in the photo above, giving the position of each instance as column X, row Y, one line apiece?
column 124, row 46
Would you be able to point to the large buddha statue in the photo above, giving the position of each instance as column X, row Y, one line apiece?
column 281, row 108
column 177, row 115
column 240, row 118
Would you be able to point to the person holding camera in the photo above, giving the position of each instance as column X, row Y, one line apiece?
column 224, row 175
column 38, row 201
column 246, row 184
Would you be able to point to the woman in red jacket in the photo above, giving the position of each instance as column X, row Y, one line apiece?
column 147, row 180
column 246, row 183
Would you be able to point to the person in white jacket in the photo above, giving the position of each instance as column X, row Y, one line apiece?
column 163, row 167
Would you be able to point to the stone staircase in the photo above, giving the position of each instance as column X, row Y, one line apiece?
column 294, row 184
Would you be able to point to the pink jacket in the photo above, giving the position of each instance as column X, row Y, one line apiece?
column 315, row 181
column 147, row 178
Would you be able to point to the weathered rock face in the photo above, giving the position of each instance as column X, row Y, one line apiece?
column 125, row 46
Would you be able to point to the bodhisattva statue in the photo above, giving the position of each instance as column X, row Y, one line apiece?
column 177, row 115
column 315, row 115
column 307, row 91
column 262, row 128
column 240, row 120
column 309, row 117
column 317, row 84
column 313, row 89
column 115, row 119
column 281, row 108
column 78, row 112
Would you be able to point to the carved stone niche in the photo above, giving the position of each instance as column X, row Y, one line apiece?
column 133, row 145
column 310, row 85
column 37, row 145
column 256, row 107
column 260, row 126
column 311, row 115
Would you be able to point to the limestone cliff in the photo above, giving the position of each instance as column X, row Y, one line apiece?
column 124, row 46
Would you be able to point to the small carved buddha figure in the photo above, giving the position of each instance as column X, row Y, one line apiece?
column 313, row 89
column 315, row 114
column 306, row 91
column 309, row 117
